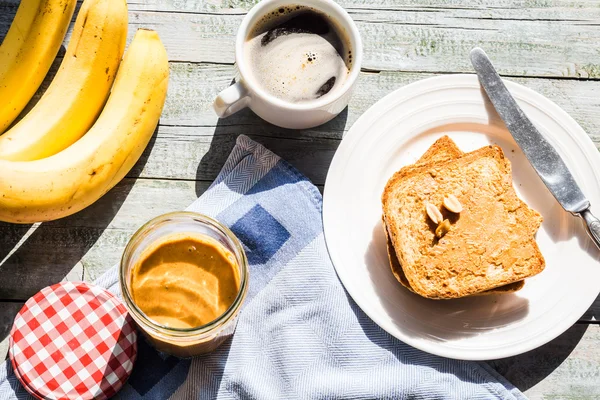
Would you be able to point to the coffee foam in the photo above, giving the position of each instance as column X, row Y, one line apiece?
column 293, row 64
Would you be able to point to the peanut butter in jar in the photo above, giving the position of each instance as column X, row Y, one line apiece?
column 184, row 278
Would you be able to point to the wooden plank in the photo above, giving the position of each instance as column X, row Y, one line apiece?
column 566, row 368
column 191, row 104
column 192, row 153
column 414, row 41
column 545, row 38
column 526, row 9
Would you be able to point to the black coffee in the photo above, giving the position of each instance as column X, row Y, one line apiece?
column 297, row 54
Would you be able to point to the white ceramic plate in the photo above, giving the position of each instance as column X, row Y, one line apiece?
column 395, row 132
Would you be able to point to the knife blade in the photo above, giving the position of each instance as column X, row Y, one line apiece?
column 544, row 158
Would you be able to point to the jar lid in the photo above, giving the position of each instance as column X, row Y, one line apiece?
column 73, row 340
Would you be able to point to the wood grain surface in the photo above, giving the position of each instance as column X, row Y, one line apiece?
column 550, row 46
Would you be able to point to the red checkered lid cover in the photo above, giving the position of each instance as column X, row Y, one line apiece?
column 73, row 340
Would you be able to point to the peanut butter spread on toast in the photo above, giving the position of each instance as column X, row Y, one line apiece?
column 490, row 243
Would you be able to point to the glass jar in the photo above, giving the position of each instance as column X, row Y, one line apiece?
column 183, row 342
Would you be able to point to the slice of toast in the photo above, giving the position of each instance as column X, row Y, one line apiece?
column 491, row 242
column 442, row 149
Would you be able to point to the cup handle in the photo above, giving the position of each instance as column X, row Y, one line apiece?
column 231, row 100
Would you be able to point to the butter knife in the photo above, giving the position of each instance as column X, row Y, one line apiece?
column 541, row 154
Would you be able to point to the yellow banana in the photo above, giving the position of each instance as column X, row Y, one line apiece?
column 62, row 184
column 28, row 50
column 79, row 90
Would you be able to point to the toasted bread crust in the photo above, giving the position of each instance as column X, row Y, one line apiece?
column 461, row 263
column 442, row 149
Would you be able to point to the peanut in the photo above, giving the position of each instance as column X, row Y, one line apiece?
column 434, row 214
column 442, row 229
column 452, row 204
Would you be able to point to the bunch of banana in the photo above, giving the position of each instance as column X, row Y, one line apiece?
column 28, row 50
column 72, row 179
column 79, row 90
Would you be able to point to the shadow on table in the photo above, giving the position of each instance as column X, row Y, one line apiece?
column 593, row 313
column 527, row 369
column 53, row 249
column 13, row 233
column 309, row 150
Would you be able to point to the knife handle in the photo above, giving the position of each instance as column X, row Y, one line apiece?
column 593, row 226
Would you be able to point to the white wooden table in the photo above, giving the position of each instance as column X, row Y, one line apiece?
column 551, row 46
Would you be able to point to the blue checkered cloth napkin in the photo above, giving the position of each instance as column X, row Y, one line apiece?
column 299, row 335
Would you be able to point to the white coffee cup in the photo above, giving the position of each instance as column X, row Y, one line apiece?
column 246, row 92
